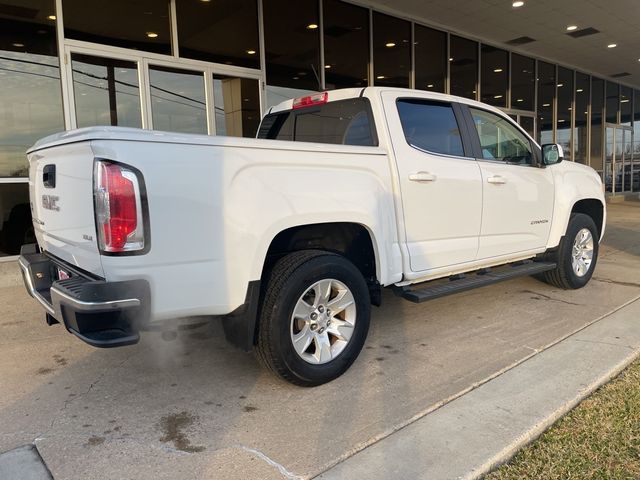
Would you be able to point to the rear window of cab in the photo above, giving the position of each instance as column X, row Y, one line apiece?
column 342, row 122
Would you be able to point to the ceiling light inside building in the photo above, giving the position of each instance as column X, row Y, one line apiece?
column 327, row 66
column 51, row 17
column 497, row 70
column 579, row 90
column 571, row 28
column 430, row 85
column 626, row 100
column 312, row 26
column 612, row 45
column 497, row 96
column 18, row 45
column 517, row 4
column 561, row 85
column 380, row 77
column 546, row 104
column 390, row 45
column 251, row 52
column 520, row 100
column 152, row 35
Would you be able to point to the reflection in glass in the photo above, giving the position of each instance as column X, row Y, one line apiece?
column 237, row 106
column 177, row 100
column 206, row 28
column 626, row 105
column 636, row 141
column 139, row 24
column 30, row 93
column 565, row 106
column 16, row 228
column 546, row 97
column 597, row 106
column 346, row 45
column 581, row 114
column 528, row 124
column 292, row 47
column 463, row 62
column 391, row 51
column 430, row 59
column 523, row 82
column 608, row 159
column 106, row 91
column 495, row 75
column 612, row 102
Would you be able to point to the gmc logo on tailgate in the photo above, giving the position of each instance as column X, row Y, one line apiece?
column 50, row 202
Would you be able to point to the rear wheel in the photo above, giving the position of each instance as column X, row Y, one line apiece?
column 576, row 255
column 314, row 319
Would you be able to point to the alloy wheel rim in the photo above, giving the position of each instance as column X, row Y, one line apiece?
column 582, row 252
column 323, row 321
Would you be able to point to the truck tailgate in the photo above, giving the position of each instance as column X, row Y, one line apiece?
column 61, row 193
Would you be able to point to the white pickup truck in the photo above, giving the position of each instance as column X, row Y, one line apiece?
column 289, row 238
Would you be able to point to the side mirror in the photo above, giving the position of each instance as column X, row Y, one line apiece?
column 552, row 153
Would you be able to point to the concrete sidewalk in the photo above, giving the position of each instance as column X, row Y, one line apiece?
column 469, row 436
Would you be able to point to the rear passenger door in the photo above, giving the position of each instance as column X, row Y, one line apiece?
column 440, row 181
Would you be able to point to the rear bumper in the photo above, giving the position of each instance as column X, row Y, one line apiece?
column 103, row 314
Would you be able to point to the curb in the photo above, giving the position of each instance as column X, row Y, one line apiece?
column 537, row 430
column 23, row 463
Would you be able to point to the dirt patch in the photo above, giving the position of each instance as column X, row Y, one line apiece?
column 94, row 441
column 250, row 408
column 173, row 426
column 44, row 371
column 9, row 324
column 60, row 360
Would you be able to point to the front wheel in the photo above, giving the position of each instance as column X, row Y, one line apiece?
column 576, row 255
column 314, row 319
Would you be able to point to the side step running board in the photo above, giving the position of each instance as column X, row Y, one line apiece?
column 460, row 283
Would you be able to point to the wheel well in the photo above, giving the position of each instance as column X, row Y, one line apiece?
column 592, row 208
column 351, row 240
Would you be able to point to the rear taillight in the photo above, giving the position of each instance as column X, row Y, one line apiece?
column 118, row 203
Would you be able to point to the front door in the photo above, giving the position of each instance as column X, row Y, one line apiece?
column 517, row 196
column 441, row 187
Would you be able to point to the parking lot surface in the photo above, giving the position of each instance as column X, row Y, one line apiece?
column 196, row 407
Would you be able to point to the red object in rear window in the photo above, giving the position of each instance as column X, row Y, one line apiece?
column 118, row 208
column 311, row 100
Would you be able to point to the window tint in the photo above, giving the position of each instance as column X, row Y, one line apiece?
column 430, row 126
column 345, row 122
column 500, row 140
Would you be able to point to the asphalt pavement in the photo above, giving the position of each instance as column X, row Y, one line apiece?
column 196, row 407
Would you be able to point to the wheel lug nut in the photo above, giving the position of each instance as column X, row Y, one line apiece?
column 314, row 326
column 314, row 316
column 321, row 309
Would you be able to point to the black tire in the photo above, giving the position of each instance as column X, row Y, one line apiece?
column 563, row 276
column 289, row 279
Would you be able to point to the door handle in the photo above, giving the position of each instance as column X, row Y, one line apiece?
column 422, row 177
column 497, row 180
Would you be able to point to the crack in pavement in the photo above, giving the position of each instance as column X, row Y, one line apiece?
column 617, row 282
column 68, row 401
column 604, row 343
column 547, row 297
column 281, row 468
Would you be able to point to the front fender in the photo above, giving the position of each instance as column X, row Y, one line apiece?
column 573, row 182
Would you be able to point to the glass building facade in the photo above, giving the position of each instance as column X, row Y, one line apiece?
column 214, row 67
